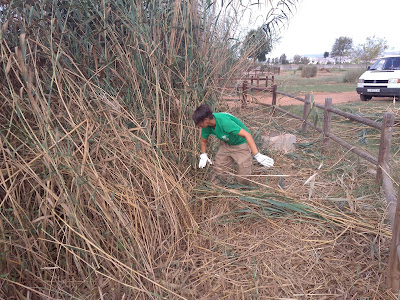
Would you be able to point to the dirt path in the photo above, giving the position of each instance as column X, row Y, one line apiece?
column 319, row 97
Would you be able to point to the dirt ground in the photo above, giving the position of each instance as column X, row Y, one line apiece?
column 319, row 97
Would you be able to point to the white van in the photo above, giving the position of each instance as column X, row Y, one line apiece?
column 382, row 79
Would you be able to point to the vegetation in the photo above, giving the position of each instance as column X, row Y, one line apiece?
column 304, row 60
column 352, row 75
column 330, row 82
column 257, row 45
column 371, row 49
column 342, row 47
column 283, row 60
column 309, row 71
column 98, row 147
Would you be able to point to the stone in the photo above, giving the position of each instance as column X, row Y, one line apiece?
column 282, row 142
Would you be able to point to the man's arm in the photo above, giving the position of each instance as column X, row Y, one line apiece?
column 261, row 158
column 249, row 139
column 203, row 145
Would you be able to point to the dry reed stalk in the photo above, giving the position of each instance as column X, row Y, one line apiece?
column 99, row 152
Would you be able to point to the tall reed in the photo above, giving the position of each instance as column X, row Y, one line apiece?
column 98, row 148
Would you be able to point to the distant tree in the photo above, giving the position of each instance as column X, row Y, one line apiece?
column 297, row 59
column 269, row 60
column 342, row 47
column 276, row 60
column 326, row 54
column 304, row 60
column 372, row 48
column 283, row 59
column 256, row 44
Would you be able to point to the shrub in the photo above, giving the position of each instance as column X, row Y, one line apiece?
column 324, row 70
column 309, row 71
column 352, row 75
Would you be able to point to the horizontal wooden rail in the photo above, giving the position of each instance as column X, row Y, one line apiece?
column 339, row 112
column 291, row 96
column 239, row 87
column 263, row 89
column 243, row 81
column 248, row 87
column 354, row 149
column 247, row 78
column 354, row 117
column 293, row 116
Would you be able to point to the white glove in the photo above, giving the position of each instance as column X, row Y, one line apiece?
column 204, row 160
column 264, row 160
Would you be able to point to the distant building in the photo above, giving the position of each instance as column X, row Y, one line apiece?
column 345, row 60
column 321, row 61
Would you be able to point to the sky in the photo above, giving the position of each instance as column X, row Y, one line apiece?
column 316, row 24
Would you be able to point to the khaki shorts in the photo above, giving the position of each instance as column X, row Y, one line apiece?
column 225, row 158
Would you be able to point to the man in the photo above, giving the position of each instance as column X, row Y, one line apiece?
column 235, row 146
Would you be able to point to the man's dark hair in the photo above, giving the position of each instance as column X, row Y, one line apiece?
column 201, row 113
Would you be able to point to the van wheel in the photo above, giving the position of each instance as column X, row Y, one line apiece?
column 365, row 98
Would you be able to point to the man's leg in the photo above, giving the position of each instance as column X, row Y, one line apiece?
column 242, row 156
column 223, row 163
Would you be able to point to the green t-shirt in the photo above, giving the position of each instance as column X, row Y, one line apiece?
column 227, row 128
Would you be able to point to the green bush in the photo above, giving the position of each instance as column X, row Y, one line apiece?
column 309, row 71
column 352, row 75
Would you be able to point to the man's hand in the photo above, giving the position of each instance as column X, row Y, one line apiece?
column 264, row 160
column 204, row 160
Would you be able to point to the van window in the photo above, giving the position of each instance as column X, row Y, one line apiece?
column 387, row 63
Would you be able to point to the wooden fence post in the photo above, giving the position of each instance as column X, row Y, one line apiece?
column 385, row 144
column 266, row 80
column 258, row 80
column 244, row 95
column 306, row 111
column 251, row 79
column 327, row 124
column 273, row 79
column 274, row 88
column 393, row 277
column 274, row 94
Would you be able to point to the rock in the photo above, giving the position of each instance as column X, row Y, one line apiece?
column 282, row 142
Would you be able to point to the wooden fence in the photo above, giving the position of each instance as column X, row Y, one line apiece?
column 243, row 82
column 242, row 85
column 381, row 162
column 266, row 69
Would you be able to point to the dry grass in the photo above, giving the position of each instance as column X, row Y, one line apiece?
column 338, row 250
column 100, row 194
